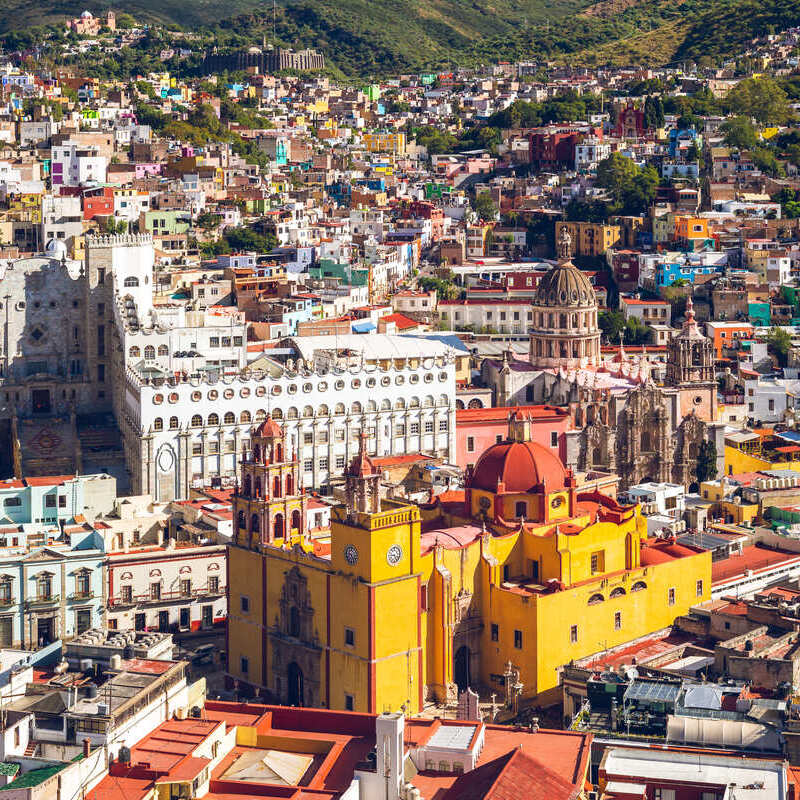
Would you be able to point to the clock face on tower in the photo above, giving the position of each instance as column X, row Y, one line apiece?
column 351, row 554
column 394, row 554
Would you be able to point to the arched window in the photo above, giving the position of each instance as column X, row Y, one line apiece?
column 355, row 408
column 258, row 487
column 197, row 421
column 595, row 599
column 297, row 521
column 308, row 411
column 244, row 416
column 618, row 592
column 158, row 424
column 173, row 423
column 163, row 350
column 229, row 418
column 277, row 528
column 294, row 622
column 149, row 351
column 131, row 281
column 386, row 405
column 254, row 524
column 276, row 413
column 322, row 411
column 213, row 419
column 289, row 485
column 638, row 586
column 134, row 352
column 400, row 404
column 276, row 486
column 242, row 521
column 339, row 408
column 261, row 415
column 291, row 413
column 248, row 486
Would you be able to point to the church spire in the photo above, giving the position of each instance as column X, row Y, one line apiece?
column 362, row 482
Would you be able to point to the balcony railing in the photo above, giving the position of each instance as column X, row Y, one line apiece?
column 166, row 597
column 42, row 600
column 87, row 595
column 5, row 602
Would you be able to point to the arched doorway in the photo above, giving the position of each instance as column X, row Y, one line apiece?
column 295, row 691
column 278, row 527
column 461, row 668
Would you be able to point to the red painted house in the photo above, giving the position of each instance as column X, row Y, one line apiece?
column 98, row 202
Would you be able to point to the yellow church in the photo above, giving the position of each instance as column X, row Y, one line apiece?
column 496, row 587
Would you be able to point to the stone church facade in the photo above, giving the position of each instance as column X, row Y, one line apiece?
column 623, row 422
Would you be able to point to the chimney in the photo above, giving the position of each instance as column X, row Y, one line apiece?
column 87, row 747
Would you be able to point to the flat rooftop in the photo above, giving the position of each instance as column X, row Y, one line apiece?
column 752, row 558
column 694, row 767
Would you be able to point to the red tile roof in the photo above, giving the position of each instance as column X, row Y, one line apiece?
column 401, row 321
column 753, row 557
column 566, row 754
column 660, row 551
column 48, row 480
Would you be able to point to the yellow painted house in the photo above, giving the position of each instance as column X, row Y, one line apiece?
column 520, row 574
column 747, row 451
column 385, row 142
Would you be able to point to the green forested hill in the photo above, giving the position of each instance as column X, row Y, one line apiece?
column 381, row 37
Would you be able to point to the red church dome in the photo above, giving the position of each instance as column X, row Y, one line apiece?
column 521, row 466
column 269, row 429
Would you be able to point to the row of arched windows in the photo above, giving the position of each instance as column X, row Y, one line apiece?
column 245, row 417
column 252, row 488
column 617, row 592
column 197, row 420
column 561, row 320
column 149, row 351
column 277, row 526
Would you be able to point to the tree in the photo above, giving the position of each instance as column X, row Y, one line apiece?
column 484, row 207
column 636, row 331
column 739, row 132
column 689, row 121
column 764, row 158
column 706, row 469
column 653, row 112
column 779, row 342
column 611, row 323
column 113, row 226
column 760, row 98
column 632, row 189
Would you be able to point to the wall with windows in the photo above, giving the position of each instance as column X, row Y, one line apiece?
column 187, row 433
column 51, row 592
column 173, row 588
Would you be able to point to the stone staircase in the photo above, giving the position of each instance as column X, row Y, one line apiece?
column 101, row 447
